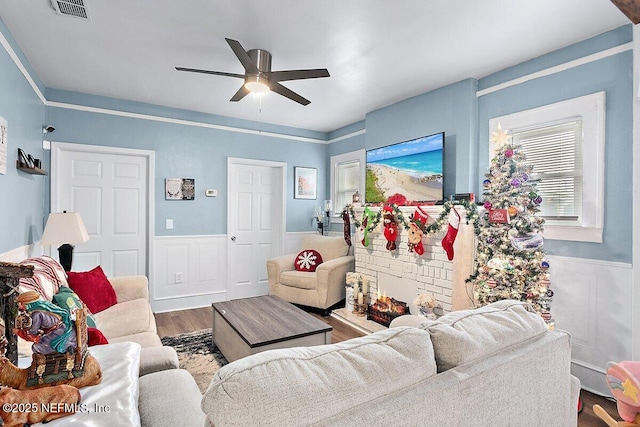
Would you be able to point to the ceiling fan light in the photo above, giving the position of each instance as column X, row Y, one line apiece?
column 256, row 84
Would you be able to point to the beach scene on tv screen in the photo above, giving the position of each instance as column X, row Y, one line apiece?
column 412, row 169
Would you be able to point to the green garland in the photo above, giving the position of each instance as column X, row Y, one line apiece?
column 434, row 227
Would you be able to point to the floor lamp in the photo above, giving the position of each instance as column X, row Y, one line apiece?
column 64, row 229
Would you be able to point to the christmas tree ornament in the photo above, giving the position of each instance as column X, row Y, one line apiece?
column 499, row 137
column 515, row 182
column 452, row 232
column 544, row 265
column 508, row 153
column 486, row 182
column 512, row 211
column 487, row 205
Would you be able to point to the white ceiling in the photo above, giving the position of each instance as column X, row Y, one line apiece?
column 378, row 52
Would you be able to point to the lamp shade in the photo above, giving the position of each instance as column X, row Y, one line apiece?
column 65, row 227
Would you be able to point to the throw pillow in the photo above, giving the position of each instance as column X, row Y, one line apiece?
column 308, row 260
column 69, row 300
column 48, row 276
column 463, row 336
column 93, row 288
column 95, row 337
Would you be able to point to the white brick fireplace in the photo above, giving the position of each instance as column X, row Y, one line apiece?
column 403, row 275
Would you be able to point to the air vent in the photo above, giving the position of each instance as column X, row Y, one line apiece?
column 73, row 8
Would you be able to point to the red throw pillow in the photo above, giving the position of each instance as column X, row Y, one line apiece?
column 95, row 337
column 93, row 288
column 308, row 260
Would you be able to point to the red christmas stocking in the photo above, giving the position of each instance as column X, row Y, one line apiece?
column 419, row 222
column 452, row 232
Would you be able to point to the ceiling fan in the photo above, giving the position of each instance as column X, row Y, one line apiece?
column 258, row 76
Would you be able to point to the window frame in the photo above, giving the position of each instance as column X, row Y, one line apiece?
column 591, row 109
column 339, row 159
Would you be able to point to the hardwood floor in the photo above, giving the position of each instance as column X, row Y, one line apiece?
column 178, row 322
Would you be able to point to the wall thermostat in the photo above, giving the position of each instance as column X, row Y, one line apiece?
column 211, row 193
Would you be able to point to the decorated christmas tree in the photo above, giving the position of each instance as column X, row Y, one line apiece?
column 510, row 261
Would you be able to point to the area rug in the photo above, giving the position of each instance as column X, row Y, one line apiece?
column 198, row 355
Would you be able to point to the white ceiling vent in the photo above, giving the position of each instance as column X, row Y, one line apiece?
column 73, row 8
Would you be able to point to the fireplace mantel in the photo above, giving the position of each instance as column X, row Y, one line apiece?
column 403, row 275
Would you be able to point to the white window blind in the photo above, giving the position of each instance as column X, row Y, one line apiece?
column 555, row 151
column 347, row 182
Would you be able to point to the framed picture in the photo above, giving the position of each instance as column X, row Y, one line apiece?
column 179, row 189
column 304, row 182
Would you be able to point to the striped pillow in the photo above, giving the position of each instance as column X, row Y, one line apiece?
column 48, row 276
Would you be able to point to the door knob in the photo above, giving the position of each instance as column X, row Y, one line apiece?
column 233, row 238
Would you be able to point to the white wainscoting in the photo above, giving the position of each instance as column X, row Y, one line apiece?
column 291, row 244
column 593, row 302
column 201, row 261
column 18, row 254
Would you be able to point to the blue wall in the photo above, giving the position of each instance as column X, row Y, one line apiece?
column 614, row 76
column 201, row 152
column 187, row 151
column 22, row 212
column 452, row 109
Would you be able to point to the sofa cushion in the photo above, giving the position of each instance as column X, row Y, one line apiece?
column 308, row 260
column 48, row 276
column 145, row 339
column 330, row 247
column 93, row 288
column 126, row 318
column 298, row 279
column 464, row 336
column 170, row 398
column 333, row 377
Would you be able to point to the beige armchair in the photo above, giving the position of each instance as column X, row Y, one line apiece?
column 321, row 289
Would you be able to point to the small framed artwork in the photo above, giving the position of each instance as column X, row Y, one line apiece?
column 179, row 189
column 304, row 183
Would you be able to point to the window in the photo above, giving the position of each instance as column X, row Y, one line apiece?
column 556, row 155
column 565, row 144
column 347, row 177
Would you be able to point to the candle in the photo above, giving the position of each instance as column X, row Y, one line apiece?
column 360, row 298
column 365, row 286
column 355, row 289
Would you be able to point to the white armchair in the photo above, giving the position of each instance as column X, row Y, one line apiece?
column 322, row 288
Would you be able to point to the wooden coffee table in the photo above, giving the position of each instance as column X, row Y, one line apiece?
column 247, row 326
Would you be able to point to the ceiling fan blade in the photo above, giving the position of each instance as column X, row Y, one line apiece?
column 278, row 88
column 217, row 73
column 242, row 55
column 241, row 93
column 279, row 76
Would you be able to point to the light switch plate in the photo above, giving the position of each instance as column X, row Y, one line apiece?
column 210, row 192
column 169, row 224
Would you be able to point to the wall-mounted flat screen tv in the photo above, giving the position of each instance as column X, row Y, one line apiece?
column 410, row 170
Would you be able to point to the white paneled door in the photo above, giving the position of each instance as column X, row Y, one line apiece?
column 109, row 188
column 255, row 220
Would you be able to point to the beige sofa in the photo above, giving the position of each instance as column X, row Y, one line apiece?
column 494, row 366
column 141, row 385
column 321, row 289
